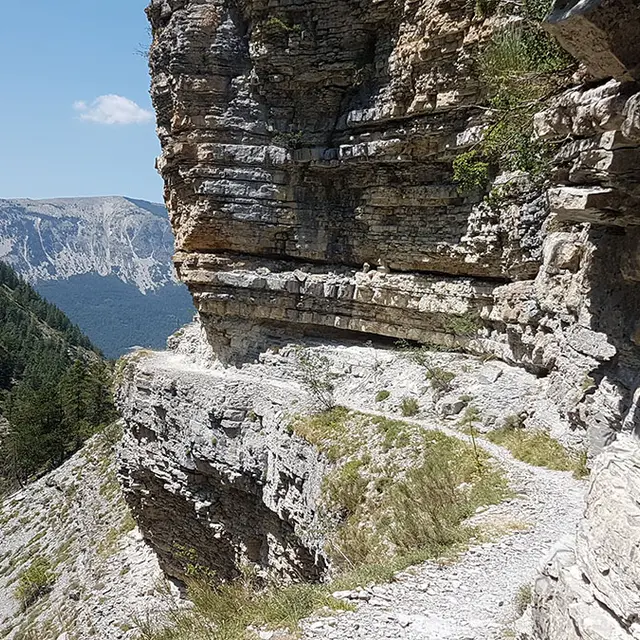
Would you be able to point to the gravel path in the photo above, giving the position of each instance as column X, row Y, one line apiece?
column 474, row 598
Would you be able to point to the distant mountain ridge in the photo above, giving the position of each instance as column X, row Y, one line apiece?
column 64, row 237
column 105, row 261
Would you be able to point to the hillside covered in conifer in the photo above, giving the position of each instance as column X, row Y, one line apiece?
column 55, row 386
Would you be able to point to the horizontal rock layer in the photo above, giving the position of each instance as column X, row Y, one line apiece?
column 226, row 486
column 307, row 161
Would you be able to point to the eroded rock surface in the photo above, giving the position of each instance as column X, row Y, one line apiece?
column 307, row 158
column 105, row 579
column 589, row 589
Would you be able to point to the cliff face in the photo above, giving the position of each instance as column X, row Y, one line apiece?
column 112, row 236
column 307, row 158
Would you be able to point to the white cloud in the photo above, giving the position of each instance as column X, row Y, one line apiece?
column 112, row 109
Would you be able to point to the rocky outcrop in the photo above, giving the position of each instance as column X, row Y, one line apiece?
column 307, row 160
column 228, row 487
column 320, row 141
column 602, row 33
column 589, row 589
column 218, row 479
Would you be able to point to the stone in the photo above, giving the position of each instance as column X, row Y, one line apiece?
column 600, row 33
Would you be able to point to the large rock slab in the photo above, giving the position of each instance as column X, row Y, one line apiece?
column 601, row 33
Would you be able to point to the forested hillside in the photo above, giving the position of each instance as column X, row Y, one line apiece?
column 54, row 384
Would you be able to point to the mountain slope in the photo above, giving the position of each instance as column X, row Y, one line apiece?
column 54, row 384
column 105, row 261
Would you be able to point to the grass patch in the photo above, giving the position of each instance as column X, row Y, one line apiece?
column 382, row 395
column 396, row 496
column 409, row 406
column 224, row 612
column 403, row 494
column 35, row 582
column 538, row 448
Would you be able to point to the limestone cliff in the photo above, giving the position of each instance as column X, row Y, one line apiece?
column 307, row 158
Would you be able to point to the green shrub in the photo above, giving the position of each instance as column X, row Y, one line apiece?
column 523, row 598
column 278, row 25
column 440, row 379
column 314, row 371
column 470, row 171
column 467, row 324
column 485, row 8
column 35, row 581
column 409, row 406
column 382, row 395
column 521, row 68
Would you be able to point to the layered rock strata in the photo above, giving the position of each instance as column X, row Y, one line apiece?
column 307, row 160
column 588, row 589
column 226, row 485
column 218, row 480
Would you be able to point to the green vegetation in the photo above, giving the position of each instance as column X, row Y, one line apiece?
column 467, row 324
column 224, row 611
column 409, row 406
column 314, row 370
column 290, row 140
column 398, row 495
column 485, row 8
column 277, row 25
column 116, row 315
column 35, row 581
column 523, row 598
column 440, row 379
column 521, row 68
column 382, row 395
column 537, row 448
column 54, row 386
column 396, row 488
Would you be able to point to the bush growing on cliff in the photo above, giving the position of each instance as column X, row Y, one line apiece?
column 409, row 406
column 521, row 68
column 316, row 376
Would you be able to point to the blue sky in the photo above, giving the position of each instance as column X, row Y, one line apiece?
column 74, row 104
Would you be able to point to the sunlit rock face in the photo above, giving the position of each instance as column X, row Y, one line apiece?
column 307, row 158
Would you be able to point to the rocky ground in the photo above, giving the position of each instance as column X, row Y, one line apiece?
column 477, row 596
column 103, row 576
column 107, row 579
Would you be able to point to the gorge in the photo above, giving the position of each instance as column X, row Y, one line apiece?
column 309, row 159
